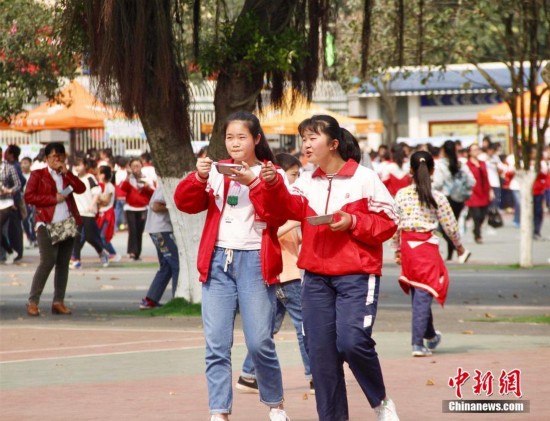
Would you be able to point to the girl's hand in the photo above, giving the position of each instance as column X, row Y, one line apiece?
column 397, row 257
column 244, row 176
column 269, row 173
column 460, row 250
column 342, row 223
column 203, row 167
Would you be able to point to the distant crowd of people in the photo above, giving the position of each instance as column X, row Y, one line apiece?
column 267, row 217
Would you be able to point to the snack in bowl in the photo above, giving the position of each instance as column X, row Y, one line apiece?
column 225, row 169
column 320, row 219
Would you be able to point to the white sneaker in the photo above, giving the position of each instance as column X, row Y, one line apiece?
column 464, row 257
column 10, row 257
column 276, row 414
column 104, row 257
column 386, row 411
column 215, row 418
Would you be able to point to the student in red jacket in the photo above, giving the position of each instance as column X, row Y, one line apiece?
column 342, row 259
column 47, row 189
column 239, row 263
column 482, row 193
column 138, row 189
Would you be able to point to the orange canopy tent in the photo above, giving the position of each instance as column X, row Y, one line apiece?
column 77, row 109
column 500, row 114
column 285, row 122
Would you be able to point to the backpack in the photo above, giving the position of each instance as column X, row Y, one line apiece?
column 460, row 188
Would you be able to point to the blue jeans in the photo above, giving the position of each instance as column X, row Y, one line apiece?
column 517, row 207
column 167, row 253
column 120, row 216
column 106, row 244
column 538, row 212
column 235, row 281
column 339, row 314
column 290, row 300
column 422, row 318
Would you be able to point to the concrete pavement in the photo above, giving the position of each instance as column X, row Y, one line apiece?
column 104, row 364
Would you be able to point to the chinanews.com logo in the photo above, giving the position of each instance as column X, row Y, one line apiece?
column 483, row 383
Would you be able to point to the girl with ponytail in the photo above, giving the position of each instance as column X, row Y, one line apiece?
column 421, row 209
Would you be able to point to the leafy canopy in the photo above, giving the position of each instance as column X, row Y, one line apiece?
column 33, row 59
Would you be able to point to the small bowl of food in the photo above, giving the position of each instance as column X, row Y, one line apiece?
column 320, row 219
column 225, row 169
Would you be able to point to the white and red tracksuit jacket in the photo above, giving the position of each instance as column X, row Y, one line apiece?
column 356, row 190
column 193, row 196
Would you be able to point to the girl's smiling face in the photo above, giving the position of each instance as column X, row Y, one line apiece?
column 240, row 143
column 318, row 147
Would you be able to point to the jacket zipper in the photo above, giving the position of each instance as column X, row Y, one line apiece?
column 330, row 177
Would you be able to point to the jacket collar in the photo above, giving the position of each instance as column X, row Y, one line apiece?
column 347, row 170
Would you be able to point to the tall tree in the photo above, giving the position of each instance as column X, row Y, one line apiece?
column 136, row 51
column 33, row 58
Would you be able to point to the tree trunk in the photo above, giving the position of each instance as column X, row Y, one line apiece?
column 234, row 92
column 187, row 233
column 526, row 179
column 173, row 159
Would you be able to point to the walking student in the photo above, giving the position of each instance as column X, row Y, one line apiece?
column 342, row 259
column 289, row 293
column 423, row 272
column 239, row 263
column 87, row 204
column 159, row 227
column 138, row 189
column 48, row 190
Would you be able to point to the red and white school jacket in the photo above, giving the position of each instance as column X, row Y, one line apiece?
column 193, row 196
column 395, row 178
column 356, row 190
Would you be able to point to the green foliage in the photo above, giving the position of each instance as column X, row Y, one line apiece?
column 33, row 59
column 249, row 47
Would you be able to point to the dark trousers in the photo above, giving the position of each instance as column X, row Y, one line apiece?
column 28, row 223
column 51, row 255
column 338, row 315
column 422, row 319
column 15, row 232
column 457, row 208
column 478, row 215
column 4, row 218
column 89, row 232
column 136, row 225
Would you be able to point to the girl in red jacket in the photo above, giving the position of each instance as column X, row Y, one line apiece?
column 342, row 259
column 139, row 190
column 482, row 193
column 239, row 263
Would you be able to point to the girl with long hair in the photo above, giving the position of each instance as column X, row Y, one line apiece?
column 446, row 169
column 423, row 272
column 239, row 264
column 342, row 259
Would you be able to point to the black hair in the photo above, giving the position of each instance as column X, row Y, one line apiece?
column 348, row 147
column 54, row 147
column 14, row 150
column 146, row 156
column 262, row 150
column 121, row 161
column 422, row 164
column 134, row 159
column 449, row 148
column 107, row 172
column 286, row 161
column 398, row 154
column 26, row 158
